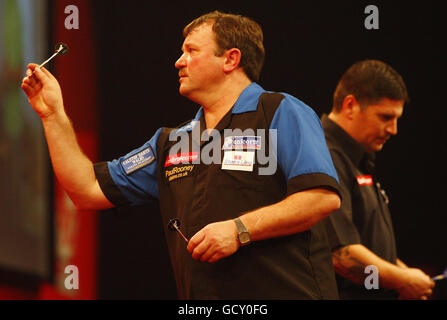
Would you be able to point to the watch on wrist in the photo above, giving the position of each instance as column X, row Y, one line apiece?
column 242, row 233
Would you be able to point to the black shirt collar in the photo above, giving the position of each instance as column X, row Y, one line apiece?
column 352, row 148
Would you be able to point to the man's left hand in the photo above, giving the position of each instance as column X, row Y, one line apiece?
column 214, row 242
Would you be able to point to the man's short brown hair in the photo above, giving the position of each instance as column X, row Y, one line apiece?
column 236, row 31
column 370, row 81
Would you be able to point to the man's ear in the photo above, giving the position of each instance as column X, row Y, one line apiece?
column 350, row 107
column 232, row 59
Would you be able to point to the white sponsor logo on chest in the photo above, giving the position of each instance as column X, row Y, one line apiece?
column 238, row 160
column 242, row 142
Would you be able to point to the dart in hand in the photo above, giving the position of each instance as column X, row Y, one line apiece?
column 174, row 225
column 61, row 48
column 440, row 276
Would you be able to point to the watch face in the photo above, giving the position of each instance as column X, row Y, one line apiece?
column 244, row 237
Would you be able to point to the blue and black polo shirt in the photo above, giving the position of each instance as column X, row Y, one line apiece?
column 199, row 192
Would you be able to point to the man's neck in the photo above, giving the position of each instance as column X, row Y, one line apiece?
column 222, row 100
column 339, row 121
column 344, row 124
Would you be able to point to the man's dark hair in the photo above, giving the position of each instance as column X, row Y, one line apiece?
column 235, row 31
column 370, row 81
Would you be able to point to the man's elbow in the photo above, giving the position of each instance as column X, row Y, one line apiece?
column 331, row 202
column 82, row 205
column 90, row 204
column 334, row 202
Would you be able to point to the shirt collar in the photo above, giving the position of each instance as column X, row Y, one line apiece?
column 248, row 100
column 352, row 148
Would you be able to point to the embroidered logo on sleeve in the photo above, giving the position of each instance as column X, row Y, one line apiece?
column 242, row 142
column 138, row 161
column 365, row 180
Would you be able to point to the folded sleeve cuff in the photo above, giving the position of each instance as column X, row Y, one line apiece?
column 108, row 186
column 340, row 230
column 312, row 181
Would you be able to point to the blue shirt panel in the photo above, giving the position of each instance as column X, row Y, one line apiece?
column 248, row 100
column 301, row 146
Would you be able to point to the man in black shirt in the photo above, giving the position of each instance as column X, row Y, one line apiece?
column 368, row 101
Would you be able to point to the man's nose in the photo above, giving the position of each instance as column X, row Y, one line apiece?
column 180, row 63
column 392, row 128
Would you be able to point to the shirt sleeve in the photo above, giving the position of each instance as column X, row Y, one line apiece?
column 339, row 225
column 301, row 149
column 131, row 179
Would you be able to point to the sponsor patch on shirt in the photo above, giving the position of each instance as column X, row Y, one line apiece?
column 178, row 172
column 138, row 161
column 238, row 160
column 181, row 158
column 242, row 142
column 365, row 180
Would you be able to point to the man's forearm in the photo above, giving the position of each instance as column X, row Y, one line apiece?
column 72, row 168
column 350, row 262
column 296, row 213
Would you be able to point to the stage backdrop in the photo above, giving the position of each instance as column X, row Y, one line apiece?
column 25, row 219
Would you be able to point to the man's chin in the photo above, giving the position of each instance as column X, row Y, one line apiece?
column 373, row 147
column 183, row 91
column 188, row 93
column 377, row 147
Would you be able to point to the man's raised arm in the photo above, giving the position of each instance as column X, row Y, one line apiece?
column 72, row 167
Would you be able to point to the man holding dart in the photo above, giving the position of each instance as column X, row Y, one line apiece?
column 251, row 235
